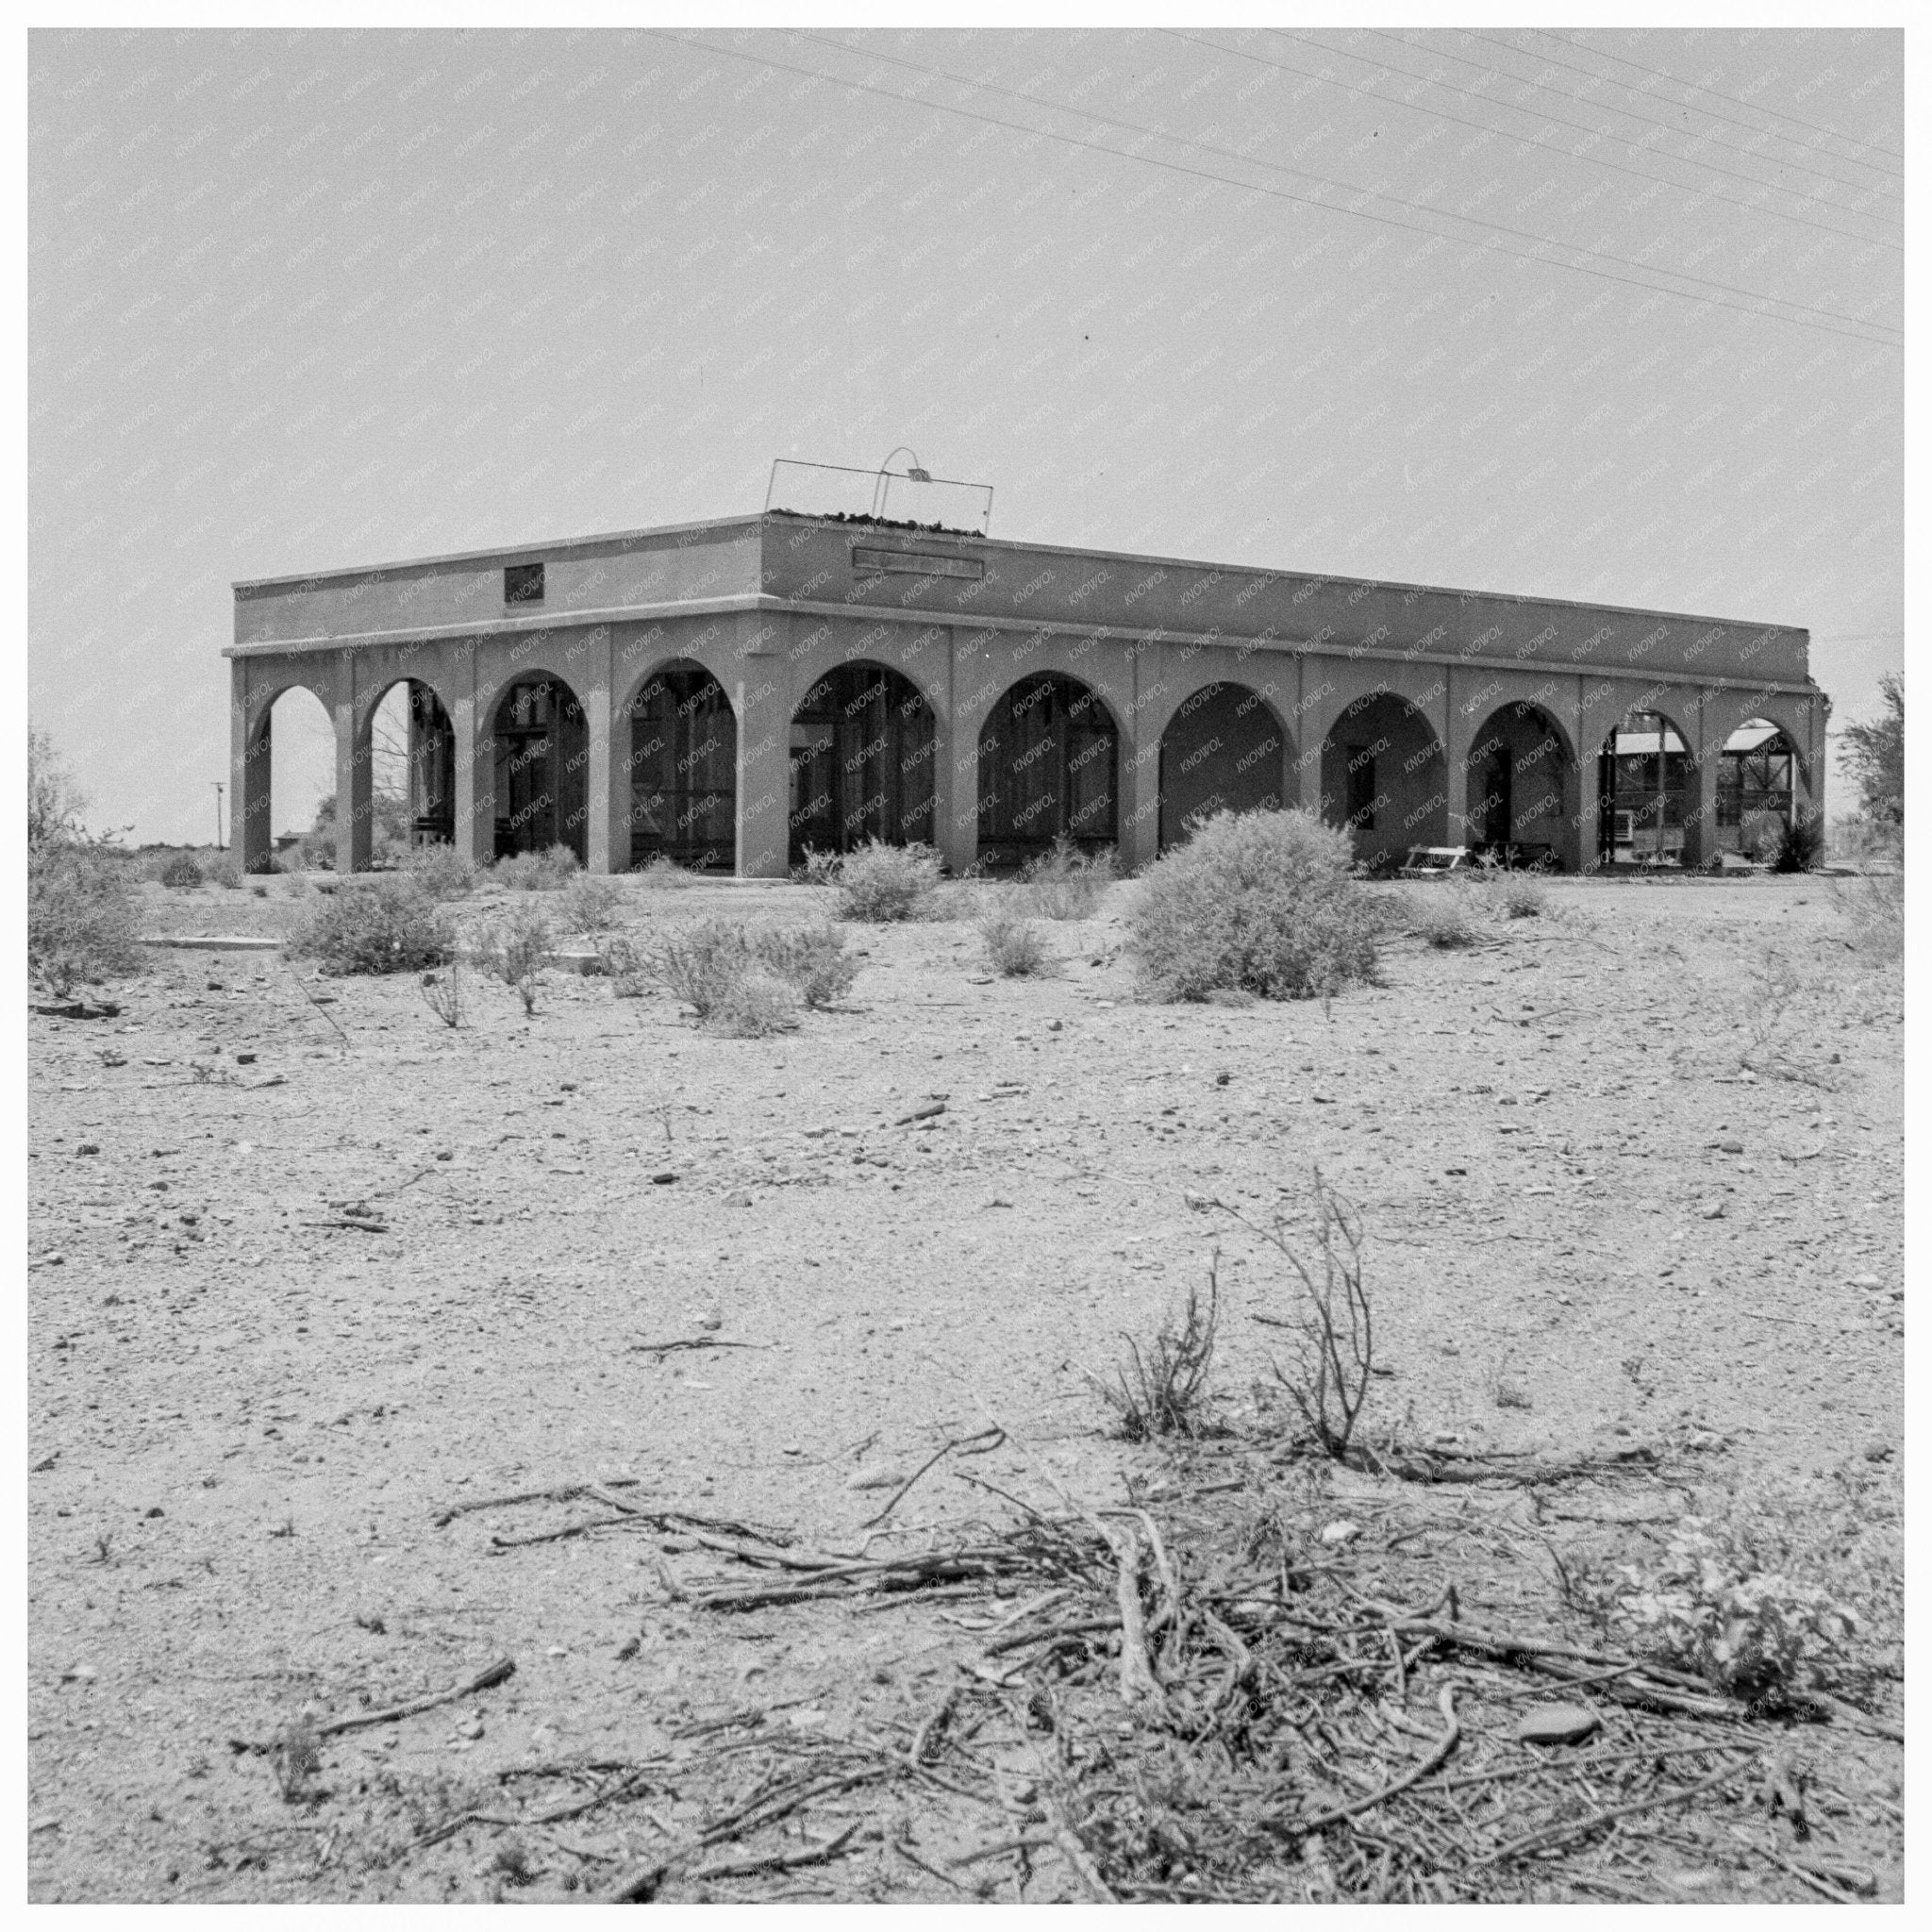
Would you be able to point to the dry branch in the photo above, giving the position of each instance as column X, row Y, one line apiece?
column 504, row 1668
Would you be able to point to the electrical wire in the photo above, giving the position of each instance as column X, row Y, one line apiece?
column 1887, row 181
column 1828, row 315
column 1557, row 120
column 1717, row 95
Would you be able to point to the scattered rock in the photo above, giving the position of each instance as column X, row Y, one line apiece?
column 1730, row 1146
column 1341, row 1531
column 738, row 1197
column 1866, row 1281
column 1557, row 1724
column 1712, row 1211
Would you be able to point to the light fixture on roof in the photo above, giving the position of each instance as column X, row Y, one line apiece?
column 912, row 473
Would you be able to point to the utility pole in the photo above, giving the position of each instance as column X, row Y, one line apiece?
column 220, row 844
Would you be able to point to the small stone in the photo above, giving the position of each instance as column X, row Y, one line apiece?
column 1341, row 1531
column 88, row 1147
column 663, row 1180
column 1866, row 1281
column 1730, row 1146
column 738, row 1197
column 245, row 1059
column 875, row 1480
column 711, row 1323
column 1557, row 1724
column 57, row 1260
column 1712, row 1211
column 1055, row 1025
column 793, row 1449
column 1878, row 1452
column 79, row 1673
column 1221, row 1079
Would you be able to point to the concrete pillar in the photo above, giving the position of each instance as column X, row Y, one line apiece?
column 1137, row 771
column 1139, row 800
column 354, row 800
column 1458, row 732
column 762, row 699
column 1700, row 813
column 1583, row 824
column 956, row 801
column 250, row 777
column 476, row 772
column 601, row 835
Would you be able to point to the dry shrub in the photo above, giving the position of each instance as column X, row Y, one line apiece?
column 1871, row 914
column 592, row 904
column 1333, row 1330
column 755, row 1005
column 385, row 924
column 1163, row 1391
column 443, row 994
column 1799, row 845
column 81, row 916
column 811, row 959
column 620, row 961
column 879, row 883
column 516, row 945
column 662, row 873
column 442, row 870
column 1066, row 883
column 704, row 963
column 1521, row 896
column 549, row 870
column 1013, row 948
column 1440, row 916
column 700, row 963
column 1260, row 900
column 180, row 871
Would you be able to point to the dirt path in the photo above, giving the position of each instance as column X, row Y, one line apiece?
column 1584, row 1229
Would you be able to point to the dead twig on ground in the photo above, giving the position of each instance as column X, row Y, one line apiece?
column 988, row 1439
column 485, row 1679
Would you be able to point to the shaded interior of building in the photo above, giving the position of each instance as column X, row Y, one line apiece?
column 1049, row 770
column 865, row 747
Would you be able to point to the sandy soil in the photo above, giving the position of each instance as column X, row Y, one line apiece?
column 245, row 1416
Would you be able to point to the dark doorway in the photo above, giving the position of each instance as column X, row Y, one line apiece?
column 864, row 746
column 1048, row 770
column 684, row 771
column 1223, row 751
column 543, row 755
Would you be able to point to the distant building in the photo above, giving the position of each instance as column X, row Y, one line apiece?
column 732, row 693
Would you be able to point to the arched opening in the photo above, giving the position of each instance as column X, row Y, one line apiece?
column 1223, row 750
column 1049, row 760
column 863, row 744
column 295, row 746
column 1644, row 792
column 683, row 770
column 1383, row 778
column 540, row 768
column 412, row 771
column 1520, row 783
column 1760, row 789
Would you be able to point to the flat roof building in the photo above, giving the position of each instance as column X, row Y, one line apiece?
column 733, row 693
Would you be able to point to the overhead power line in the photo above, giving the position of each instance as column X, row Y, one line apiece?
column 1716, row 95
column 1136, row 127
column 1886, row 182
column 1856, row 332
column 1530, row 141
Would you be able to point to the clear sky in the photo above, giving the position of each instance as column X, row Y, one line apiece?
column 1608, row 315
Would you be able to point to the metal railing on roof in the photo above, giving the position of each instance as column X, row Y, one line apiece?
column 910, row 497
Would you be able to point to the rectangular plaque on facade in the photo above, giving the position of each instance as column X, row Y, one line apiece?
column 918, row 563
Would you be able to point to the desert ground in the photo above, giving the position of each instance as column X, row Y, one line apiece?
column 310, row 1270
